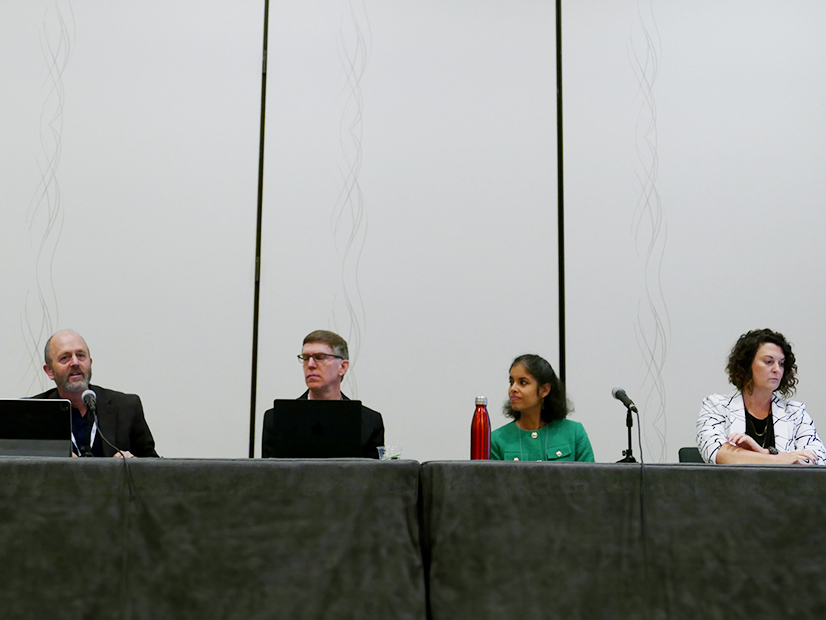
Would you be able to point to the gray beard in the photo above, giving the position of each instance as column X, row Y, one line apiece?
column 77, row 388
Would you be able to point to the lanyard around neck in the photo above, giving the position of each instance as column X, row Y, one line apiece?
column 91, row 440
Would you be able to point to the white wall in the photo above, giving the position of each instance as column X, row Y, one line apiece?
column 713, row 110
column 693, row 170
column 143, row 240
column 439, row 120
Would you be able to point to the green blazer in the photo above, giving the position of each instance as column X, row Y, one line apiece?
column 561, row 440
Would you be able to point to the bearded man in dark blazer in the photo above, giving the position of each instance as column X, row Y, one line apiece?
column 120, row 418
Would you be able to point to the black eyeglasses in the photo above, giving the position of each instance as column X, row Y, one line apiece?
column 319, row 358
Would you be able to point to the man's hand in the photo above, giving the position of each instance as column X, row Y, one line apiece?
column 123, row 454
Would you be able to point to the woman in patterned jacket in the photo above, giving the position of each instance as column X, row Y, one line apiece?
column 757, row 424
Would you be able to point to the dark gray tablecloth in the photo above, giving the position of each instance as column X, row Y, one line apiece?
column 532, row 540
column 736, row 542
column 341, row 539
column 209, row 539
column 539, row 540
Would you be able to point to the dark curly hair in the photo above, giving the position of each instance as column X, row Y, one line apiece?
column 742, row 356
column 555, row 405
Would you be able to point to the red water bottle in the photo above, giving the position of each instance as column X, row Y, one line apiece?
column 480, row 431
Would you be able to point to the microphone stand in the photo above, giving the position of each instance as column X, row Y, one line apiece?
column 628, row 455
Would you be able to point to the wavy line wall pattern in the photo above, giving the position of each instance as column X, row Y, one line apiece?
column 349, row 218
column 44, row 218
column 653, row 325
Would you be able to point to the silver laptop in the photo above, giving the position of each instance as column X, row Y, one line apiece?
column 31, row 427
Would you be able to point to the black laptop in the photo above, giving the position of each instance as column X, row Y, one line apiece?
column 312, row 429
column 31, row 427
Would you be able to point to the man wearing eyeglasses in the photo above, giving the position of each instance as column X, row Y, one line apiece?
column 325, row 358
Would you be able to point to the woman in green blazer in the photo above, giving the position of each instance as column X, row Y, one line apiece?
column 540, row 430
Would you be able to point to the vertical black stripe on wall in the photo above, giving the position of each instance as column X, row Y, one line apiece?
column 257, row 285
column 560, row 184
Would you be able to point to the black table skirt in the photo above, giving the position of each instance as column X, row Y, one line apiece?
column 248, row 539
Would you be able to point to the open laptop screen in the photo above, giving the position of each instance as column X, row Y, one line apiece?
column 31, row 427
column 312, row 429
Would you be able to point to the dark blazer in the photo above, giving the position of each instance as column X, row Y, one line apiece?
column 372, row 430
column 120, row 420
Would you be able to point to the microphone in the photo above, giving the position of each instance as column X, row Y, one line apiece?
column 91, row 400
column 620, row 395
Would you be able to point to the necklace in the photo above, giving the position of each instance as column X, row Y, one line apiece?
column 754, row 426
column 761, row 438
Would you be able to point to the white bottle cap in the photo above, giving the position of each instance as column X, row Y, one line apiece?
column 481, row 400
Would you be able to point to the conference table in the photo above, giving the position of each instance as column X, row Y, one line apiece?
column 353, row 538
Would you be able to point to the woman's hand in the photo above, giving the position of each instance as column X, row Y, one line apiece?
column 744, row 442
column 741, row 440
column 799, row 457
